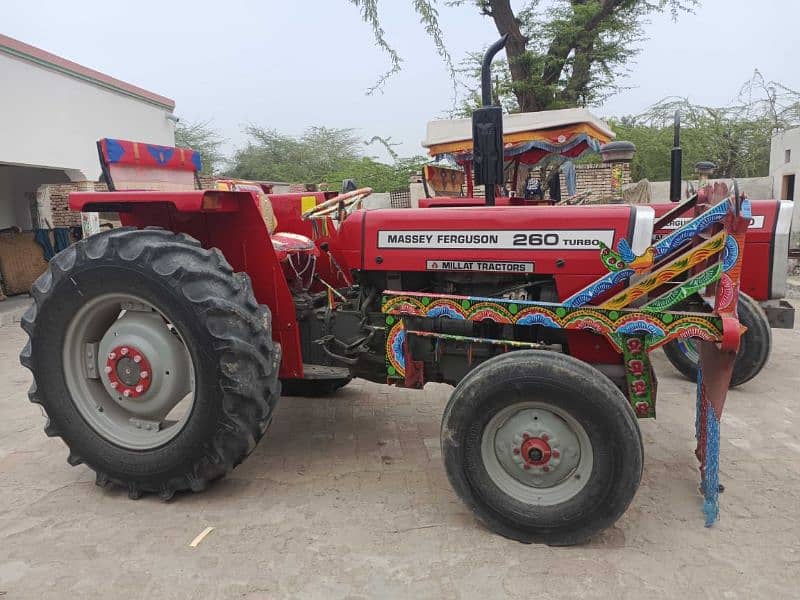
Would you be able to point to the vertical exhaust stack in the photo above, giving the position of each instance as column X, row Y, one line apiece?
column 487, row 130
column 676, row 159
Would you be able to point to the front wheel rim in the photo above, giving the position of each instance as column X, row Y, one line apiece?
column 128, row 371
column 537, row 453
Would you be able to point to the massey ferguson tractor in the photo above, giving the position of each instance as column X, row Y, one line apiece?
column 159, row 349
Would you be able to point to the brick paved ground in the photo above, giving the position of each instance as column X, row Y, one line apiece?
column 348, row 498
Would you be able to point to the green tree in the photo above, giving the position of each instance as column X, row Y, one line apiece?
column 379, row 176
column 735, row 137
column 201, row 136
column 565, row 53
column 319, row 155
column 273, row 156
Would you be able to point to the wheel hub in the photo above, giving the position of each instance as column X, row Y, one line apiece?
column 535, row 451
column 537, row 448
column 128, row 371
column 145, row 369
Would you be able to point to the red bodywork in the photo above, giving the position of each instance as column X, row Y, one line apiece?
column 515, row 233
column 360, row 247
column 758, row 259
column 230, row 221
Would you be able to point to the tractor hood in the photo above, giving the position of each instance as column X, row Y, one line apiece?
column 520, row 239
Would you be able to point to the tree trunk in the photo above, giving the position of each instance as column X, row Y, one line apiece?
column 521, row 72
column 579, row 35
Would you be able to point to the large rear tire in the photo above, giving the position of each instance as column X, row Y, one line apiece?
column 542, row 447
column 754, row 348
column 152, row 359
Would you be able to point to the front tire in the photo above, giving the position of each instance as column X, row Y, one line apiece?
column 542, row 447
column 123, row 325
column 754, row 348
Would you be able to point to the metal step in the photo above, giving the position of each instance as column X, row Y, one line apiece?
column 323, row 372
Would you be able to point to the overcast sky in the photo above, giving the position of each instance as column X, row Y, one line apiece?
column 291, row 64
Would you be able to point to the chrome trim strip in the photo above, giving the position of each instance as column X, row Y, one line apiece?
column 642, row 238
column 780, row 249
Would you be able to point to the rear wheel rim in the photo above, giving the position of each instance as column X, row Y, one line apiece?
column 128, row 371
column 537, row 453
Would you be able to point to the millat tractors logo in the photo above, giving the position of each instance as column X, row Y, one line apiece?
column 564, row 239
column 482, row 266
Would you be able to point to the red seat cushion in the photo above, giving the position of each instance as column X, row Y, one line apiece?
column 286, row 243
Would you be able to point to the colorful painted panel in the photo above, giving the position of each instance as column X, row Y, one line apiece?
column 691, row 286
column 679, row 237
column 640, row 376
column 656, row 329
column 624, row 263
column 668, row 272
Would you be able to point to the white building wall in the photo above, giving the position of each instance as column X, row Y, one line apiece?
column 756, row 188
column 51, row 119
column 779, row 168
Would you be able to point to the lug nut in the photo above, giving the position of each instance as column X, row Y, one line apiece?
column 123, row 351
column 114, row 384
column 545, row 437
column 109, row 369
column 137, row 358
column 112, row 355
column 143, row 374
column 126, row 393
column 556, row 453
column 139, row 388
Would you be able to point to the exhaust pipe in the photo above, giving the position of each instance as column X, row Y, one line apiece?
column 486, row 70
column 487, row 130
column 676, row 159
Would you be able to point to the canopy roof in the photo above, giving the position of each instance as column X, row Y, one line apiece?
column 527, row 136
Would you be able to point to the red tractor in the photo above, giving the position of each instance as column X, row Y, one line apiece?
column 158, row 350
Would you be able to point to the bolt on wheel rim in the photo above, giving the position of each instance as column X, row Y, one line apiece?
column 537, row 453
column 128, row 371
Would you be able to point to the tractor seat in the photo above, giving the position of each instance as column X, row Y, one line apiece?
column 290, row 244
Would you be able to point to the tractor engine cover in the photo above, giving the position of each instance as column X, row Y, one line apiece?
column 562, row 241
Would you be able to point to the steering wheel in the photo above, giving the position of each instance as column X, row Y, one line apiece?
column 338, row 207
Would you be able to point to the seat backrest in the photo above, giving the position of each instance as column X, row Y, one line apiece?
column 239, row 185
column 140, row 166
